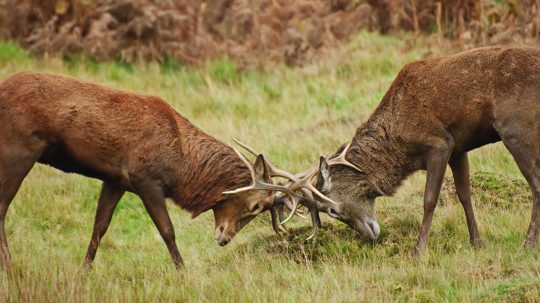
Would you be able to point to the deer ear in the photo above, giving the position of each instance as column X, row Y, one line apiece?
column 324, row 181
column 261, row 169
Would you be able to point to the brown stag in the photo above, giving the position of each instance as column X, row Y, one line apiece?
column 436, row 111
column 132, row 142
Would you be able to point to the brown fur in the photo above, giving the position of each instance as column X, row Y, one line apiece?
column 434, row 98
column 132, row 142
column 436, row 111
column 113, row 135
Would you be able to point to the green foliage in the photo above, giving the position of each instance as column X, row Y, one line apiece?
column 293, row 116
column 170, row 65
column 12, row 53
column 224, row 70
column 501, row 191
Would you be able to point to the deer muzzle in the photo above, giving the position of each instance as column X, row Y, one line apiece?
column 372, row 227
column 221, row 234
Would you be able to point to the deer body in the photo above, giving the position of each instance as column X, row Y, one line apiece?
column 132, row 142
column 434, row 113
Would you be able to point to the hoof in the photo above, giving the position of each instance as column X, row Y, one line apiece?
column 530, row 244
column 415, row 253
column 86, row 267
column 478, row 243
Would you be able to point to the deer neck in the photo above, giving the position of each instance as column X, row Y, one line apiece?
column 205, row 168
column 381, row 157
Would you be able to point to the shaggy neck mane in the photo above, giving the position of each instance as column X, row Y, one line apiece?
column 375, row 150
column 209, row 168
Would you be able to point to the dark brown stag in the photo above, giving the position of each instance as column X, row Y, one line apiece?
column 132, row 142
column 434, row 113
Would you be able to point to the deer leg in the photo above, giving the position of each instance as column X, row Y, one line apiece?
column 521, row 145
column 460, row 170
column 108, row 199
column 534, row 226
column 436, row 167
column 531, row 171
column 15, row 163
column 9, row 185
column 154, row 202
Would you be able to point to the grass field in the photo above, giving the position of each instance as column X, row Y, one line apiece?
column 293, row 116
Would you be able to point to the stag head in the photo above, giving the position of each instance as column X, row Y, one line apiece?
column 342, row 190
column 342, row 182
column 240, row 206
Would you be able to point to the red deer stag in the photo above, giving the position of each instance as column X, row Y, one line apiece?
column 131, row 142
column 434, row 113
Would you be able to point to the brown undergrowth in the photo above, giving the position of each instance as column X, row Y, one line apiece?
column 252, row 33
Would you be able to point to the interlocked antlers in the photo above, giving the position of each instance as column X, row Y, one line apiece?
column 260, row 185
column 273, row 172
column 301, row 182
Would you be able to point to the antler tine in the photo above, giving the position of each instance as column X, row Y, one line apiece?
column 305, row 182
column 274, row 171
column 314, row 223
column 251, row 172
column 311, row 171
column 340, row 160
column 249, row 149
column 303, row 179
column 300, row 214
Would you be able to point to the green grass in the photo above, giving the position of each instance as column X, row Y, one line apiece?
column 293, row 116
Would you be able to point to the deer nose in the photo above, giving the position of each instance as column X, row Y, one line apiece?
column 223, row 242
column 333, row 212
column 221, row 236
column 219, row 232
column 374, row 227
column 218, row 235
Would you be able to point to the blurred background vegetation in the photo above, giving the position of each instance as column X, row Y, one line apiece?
column 253, row 32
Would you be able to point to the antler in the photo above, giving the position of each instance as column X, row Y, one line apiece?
column 273, row 171
column 301, row 181
column 258, row 185
column 276, row 172
column 304, row 180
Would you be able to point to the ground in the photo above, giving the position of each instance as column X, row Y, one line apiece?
column 293, row 116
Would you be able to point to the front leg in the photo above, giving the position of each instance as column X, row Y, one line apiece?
column 460, row 170
column 436, row 167
column 154, row 202
column 108, row 199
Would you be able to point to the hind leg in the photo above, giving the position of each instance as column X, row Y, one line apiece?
column 523, row 143
column 15, row 163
